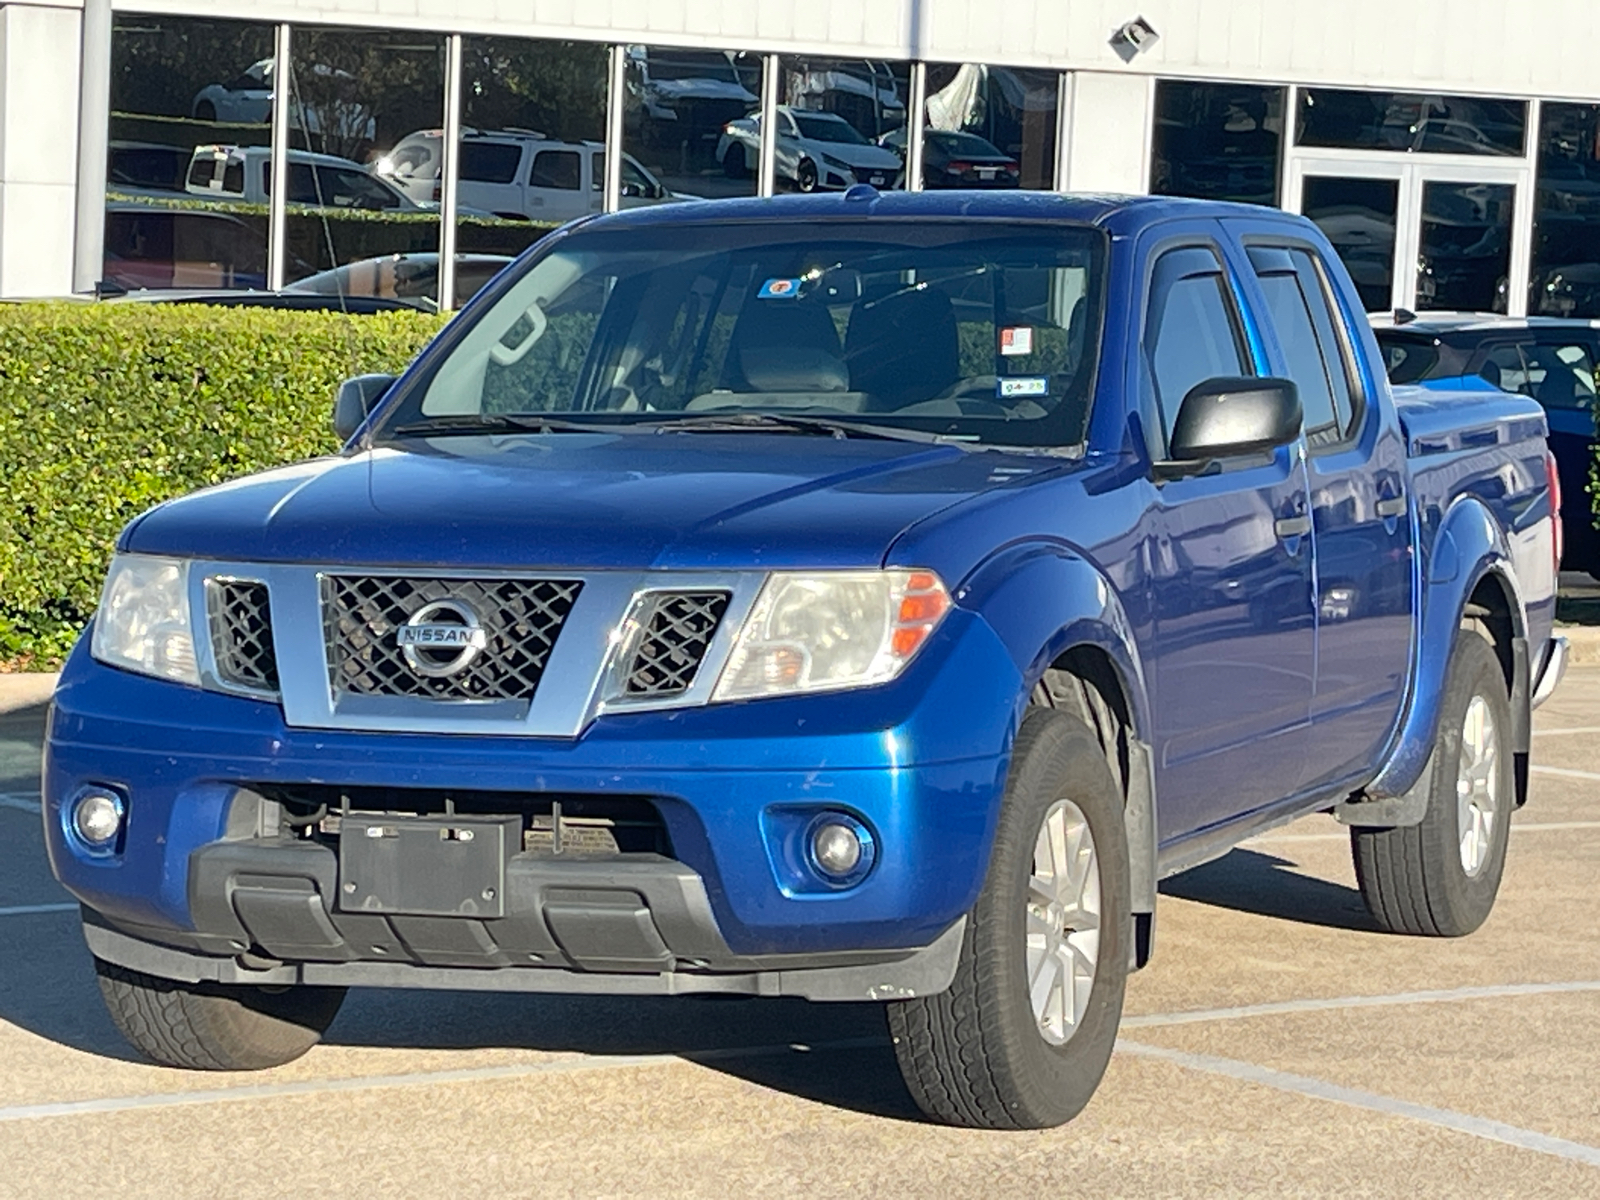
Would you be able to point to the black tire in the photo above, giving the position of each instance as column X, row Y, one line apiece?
column 974, row 1055
column 734, row 165
column 210, row 1027
column 805, row 175
column 205, row 111
column 1414, row 879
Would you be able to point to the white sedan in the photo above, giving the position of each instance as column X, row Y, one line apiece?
column 815, row 151
column 247, row 99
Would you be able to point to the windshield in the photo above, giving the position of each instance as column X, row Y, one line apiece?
column 980, row 332
column 828, row 129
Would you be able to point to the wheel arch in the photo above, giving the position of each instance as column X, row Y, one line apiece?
column 1072, row 641
column 1469, row 579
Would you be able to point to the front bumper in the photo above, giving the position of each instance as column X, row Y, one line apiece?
column 921, row 763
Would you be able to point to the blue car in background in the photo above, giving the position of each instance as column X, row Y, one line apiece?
column 865, row 597
column 1554, row 360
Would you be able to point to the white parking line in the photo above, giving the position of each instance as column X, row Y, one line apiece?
column 265, row 1091
column 1564, row 772
column 1573, row 729
column 1335, row 1003
column 26, row 910
column 1321, row 1089
column 1271, row 839
column 28, row 804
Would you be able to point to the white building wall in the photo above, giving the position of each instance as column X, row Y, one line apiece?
column 39, row 49
column 1107, row 134
column 1514, row 47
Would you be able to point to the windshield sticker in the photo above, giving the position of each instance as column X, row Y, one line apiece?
column 779, row 289
column 1022, row 386
column 1017, row 340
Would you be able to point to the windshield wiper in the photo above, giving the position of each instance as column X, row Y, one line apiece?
column 740, row 422
column 466, row 424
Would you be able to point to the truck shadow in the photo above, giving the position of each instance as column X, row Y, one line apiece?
column 835, row 1054
column 1251, row 881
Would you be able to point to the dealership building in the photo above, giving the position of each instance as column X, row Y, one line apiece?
column 1450, row 149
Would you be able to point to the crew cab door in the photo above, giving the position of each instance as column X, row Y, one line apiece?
column 1360, row 522
column 1231, row 572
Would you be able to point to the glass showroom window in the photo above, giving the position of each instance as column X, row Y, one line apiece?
column 691, row 124
column 533, row 127
column 987, row 127
column 838, row 120
column 356, row 97
column 1406, row 121
column 1565, row 279
column 1217, row 141
column 188, row 97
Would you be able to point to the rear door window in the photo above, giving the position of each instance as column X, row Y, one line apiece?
column 1298, row 308
column 559, row 169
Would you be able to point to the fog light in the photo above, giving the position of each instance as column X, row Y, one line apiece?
column 95, row 820
column 836, row 848
column 840, row 848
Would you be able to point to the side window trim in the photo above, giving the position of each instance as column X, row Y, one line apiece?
column 1360, row 405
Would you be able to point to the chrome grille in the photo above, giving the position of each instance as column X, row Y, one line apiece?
column 521, row 619
column 678, row 627
column 240, row 620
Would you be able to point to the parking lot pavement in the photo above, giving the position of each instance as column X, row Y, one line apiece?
column 1278, row 1044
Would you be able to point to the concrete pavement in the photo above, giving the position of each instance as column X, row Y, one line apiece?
column 1277, row 1045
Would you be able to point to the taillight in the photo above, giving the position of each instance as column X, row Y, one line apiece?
column 1553, row 478
column 959, row 168
column 438, row 189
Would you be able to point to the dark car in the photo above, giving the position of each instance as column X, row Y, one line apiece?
column 1550, row 359
column 951, row 159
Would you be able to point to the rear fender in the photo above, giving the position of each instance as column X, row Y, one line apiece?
column 1043, row 600
column 1470, row 546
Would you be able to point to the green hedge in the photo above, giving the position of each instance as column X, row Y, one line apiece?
column 108, row 409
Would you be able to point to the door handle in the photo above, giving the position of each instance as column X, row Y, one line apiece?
column 1392, row 506
column 1292, row 527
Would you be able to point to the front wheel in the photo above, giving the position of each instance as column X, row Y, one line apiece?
column 734, row 165
column 1023, row 1035
column 212, row 1027
column 805, row 176
column 1440, row 878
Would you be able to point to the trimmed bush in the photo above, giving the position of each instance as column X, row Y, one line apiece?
column 108, row 409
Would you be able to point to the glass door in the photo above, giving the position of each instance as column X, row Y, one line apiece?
column 1420, row 234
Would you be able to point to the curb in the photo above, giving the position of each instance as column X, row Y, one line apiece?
column 25, row 689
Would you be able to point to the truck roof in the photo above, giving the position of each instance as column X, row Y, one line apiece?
column 1087, row 208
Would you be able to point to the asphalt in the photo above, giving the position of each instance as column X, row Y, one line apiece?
column 1278, row 1045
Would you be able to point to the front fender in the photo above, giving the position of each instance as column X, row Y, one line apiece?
column 1469, row 547
column 1043, row 599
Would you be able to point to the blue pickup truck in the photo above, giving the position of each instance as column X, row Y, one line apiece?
column 867, row 597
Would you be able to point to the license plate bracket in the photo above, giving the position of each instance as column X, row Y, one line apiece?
column 446, row 866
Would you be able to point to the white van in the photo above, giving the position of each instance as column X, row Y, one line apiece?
column 518, row 174
column 245, row 173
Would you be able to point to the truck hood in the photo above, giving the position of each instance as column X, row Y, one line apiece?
column 578, row 500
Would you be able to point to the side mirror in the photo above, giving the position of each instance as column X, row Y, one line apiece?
column 355, row 399
column 1228, row 416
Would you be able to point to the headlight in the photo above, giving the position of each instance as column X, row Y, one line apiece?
column 838, row 629
column 143, row 621
column 837, row 164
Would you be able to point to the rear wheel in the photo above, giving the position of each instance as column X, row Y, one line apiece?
column 212, row 1027
column 1022, row 1037
column 1440, row 878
